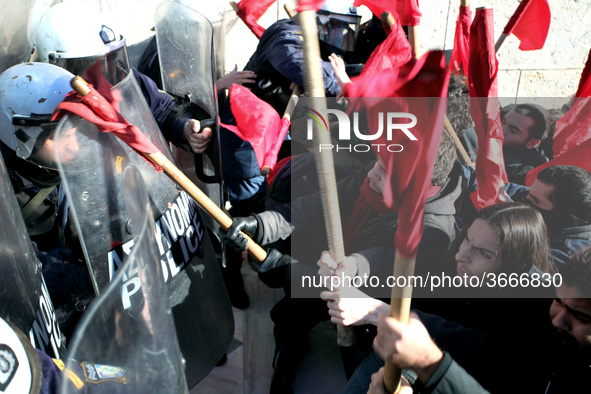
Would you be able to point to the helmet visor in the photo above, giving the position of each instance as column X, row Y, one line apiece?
column 35, row 141
column 114, row 65
column 337, row 33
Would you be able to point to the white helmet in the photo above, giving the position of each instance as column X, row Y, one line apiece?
column 29, row 92
column 338, row 22
column 75, row 36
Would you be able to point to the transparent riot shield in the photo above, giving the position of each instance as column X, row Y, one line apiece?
column 91, row 165
column 186, row 51
column 18, row 28
column 191, row 48
column 24, row 299
column 128, row 335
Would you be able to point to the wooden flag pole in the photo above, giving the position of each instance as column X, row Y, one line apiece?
column 500, row 42
column 463, row 155
column 401, row 296
column 291, row 104
column 173, row 172
column 314, row 86
column 400, row 310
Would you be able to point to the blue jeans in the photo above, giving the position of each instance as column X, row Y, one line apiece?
column 361, row 378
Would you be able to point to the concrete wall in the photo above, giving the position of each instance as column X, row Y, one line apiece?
column 553, row 71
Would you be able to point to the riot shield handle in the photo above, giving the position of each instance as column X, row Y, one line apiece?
column 177, row 176
column 212, row 152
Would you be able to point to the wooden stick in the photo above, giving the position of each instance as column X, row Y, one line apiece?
column 465, row 3
column 500, row 42
column 413, row 38
column 400, row 310
column 463, row 155
column 293, row 101
column 401, row 296
column 234, row 6
column 387, row 21
column 173, row 172
column 289, row 11
column 314, row 87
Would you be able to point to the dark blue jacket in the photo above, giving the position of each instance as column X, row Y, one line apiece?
column 568, row 242
column 279, row 60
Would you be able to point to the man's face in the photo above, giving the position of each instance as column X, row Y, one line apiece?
column 516, row 128
column 571, row 317
column 377, row 177
column 540, row 195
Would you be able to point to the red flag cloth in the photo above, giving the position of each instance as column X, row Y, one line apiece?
column 584, row 89
column 485, row 110
column 577, row 156
column 104, row 114
column 258, row 123
column 461, row 50
column 530, row 23
column 417, row 88
column 573, row 128
column 392, row 53
column 250, row 11
column 407, row 10
column 307, row 5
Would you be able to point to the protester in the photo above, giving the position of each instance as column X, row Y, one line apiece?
column 525, row 127
column 370, row 226
column 560, row 366
column 562, row 194
column 506, row 238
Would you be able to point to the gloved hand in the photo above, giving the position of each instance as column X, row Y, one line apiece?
column 275, row 259
column 233, row 237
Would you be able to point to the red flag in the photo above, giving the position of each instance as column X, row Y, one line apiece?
column 307, row 5
column 418, row 87
column 584, row 89
column 573, row 128
column 461, row 50
column 104, row 113
column 258, row 123
column 408, row 10
column 485, row 110
column 530, row 23
column 577, row 156
column 250, row 11
column 392, row 53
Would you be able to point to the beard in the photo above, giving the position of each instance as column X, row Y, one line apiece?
column 568, row 348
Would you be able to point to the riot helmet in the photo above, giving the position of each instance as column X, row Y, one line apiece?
column 338, row 22
column 75, row 37
column 29, row 93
